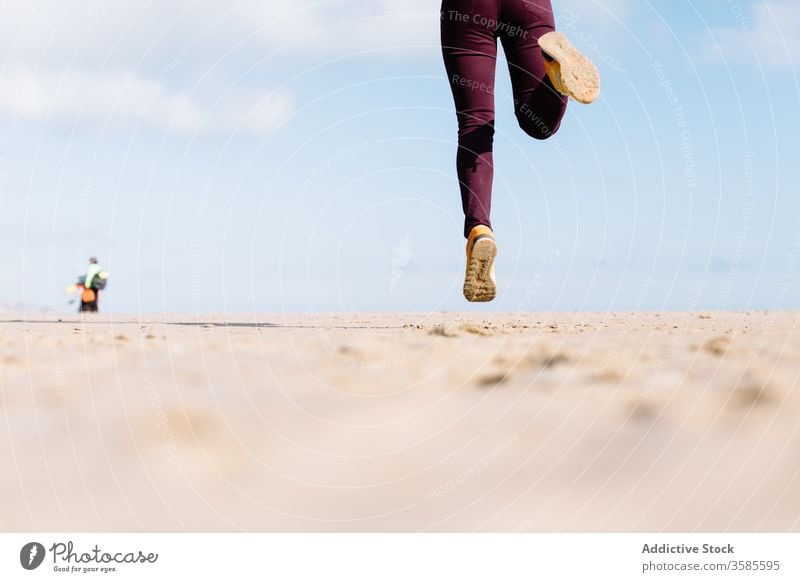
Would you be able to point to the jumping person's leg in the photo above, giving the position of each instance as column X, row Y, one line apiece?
column 538, row 106
column 469, row 47
column 545, row 68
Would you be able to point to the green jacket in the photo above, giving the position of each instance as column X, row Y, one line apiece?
column 94, row 270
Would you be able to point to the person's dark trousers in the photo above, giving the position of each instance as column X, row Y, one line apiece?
column 470, row 29
column 88, row 305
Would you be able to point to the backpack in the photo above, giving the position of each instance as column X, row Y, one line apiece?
column 99, row 281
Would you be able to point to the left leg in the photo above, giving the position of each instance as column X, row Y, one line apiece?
column 469, row 49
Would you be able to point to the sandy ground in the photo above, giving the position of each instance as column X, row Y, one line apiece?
column 400, row 422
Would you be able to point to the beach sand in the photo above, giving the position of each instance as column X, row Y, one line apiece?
column 400, row 422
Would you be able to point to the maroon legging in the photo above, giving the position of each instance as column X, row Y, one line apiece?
column 470, row 29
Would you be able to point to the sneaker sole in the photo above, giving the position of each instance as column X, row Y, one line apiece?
column 478, row 284
column 579, row 76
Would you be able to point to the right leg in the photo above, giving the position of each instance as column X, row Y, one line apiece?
column 539, row 107
column 470, row 54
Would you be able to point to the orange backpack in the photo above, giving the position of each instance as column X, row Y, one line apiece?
column 88, row 296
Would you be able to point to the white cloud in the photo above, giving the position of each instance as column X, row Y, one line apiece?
column 771, row 34
column 79, row 97
column 96, row 30
column 101, row 60
column 347, row 26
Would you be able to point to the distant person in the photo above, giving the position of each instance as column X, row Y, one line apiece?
column 90, row 285
column 545, row 70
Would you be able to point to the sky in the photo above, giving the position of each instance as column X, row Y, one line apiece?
column 298, row 155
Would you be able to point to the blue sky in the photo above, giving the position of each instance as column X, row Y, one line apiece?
column 297, row 155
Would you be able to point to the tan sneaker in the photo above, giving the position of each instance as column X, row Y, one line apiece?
column 570, row 72
column 479, row 281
